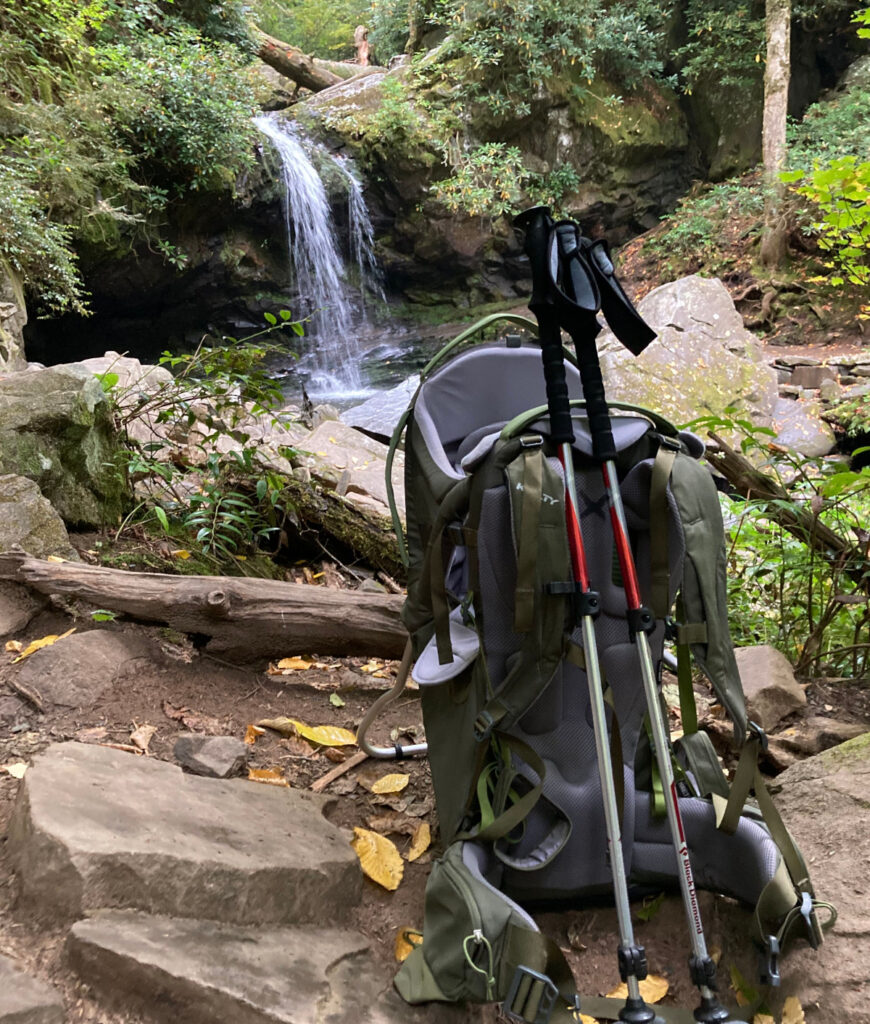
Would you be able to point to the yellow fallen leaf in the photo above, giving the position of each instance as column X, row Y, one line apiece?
column 763, row 1018
column 322, row 735
column 586, row 1019
column 792, row 1011
column 56, row 558
column 182, row 553
column 141, row 736
column 420, row 841
column 253, row 733
column 407, row 940
column 14, row 646
column 394, row 783
column 45, row 641
column 269, row 776
column 380, row 859
column 16, row 770
column 294, row 664
column 653, row 989
column 372, row 666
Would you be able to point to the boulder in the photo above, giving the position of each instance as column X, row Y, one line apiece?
column 381, row 413
column 354, row 464
column 703, row 361
column 13, row 317
column 823, row 801
column 26, row 1000
column 27, row 520
column 77, row 670
column 772, row 692
column 813, row 735
column 56, row 429
column 96, row 828
column 218, row 757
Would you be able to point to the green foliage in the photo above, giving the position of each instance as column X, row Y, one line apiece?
column 35, row 246
column 840, row 193
column 781, row 589
column 238, row 504
column 491, row 181
column 175, row 102
column 692, row 235
column 388, row 28
column 107, row 109
column 828, row 157
column 326, row 30
column 510, row 48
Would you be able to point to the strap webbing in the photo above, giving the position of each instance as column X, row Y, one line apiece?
column 660, row 568
column 527, row 546
column 748, row 778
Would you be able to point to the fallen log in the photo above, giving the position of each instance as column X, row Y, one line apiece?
column 291, row 62
column 246, row 620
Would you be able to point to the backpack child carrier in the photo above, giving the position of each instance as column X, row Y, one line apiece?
column 500, row 662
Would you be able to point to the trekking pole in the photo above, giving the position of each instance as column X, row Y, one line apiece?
column 576, row 279
column 632, row 958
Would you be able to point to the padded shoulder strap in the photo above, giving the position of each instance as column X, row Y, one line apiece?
column 704, row 584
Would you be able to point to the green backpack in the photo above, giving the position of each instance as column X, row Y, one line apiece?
column 501, row 668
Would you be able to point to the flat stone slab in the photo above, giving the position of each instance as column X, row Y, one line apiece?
column 25, row 999
column 772, row 692
column 97, row 828
column 201, row 972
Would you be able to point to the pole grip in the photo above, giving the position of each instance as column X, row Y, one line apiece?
column 536, row 223
column 603, row 447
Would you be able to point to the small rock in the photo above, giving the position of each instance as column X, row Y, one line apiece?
column 18, row 605
column 27, row 1000
column 813, row 735
column 861, row 371
column 76, row 670
column 789, row 391
column 789, row 360
column 830, row 391
column 812, row 376
column 218, row 757
column 324, row 414
column 372, row 587
column 771, row 689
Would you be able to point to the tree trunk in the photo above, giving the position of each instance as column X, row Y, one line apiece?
column 293, row 63
column 776, row 80
column 247, row 620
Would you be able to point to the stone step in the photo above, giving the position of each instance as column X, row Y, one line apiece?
column 201, row 972
column 98, row 828
column 26, row 1000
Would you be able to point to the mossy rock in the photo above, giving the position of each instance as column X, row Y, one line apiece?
column 56, row 429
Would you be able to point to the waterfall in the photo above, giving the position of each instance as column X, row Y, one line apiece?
column 333, row 304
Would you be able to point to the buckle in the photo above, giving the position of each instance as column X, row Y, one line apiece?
column 483, row 726
column 531, row 441
column 811, row 921
column 530, row 990
column 770, row 962
column 755, row 732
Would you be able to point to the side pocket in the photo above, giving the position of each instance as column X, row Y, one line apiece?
column 465, row 926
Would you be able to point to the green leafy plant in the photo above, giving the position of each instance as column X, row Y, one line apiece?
column 799, row 561
column 221, row 496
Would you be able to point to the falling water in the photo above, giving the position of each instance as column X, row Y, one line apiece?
column 335, row 308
